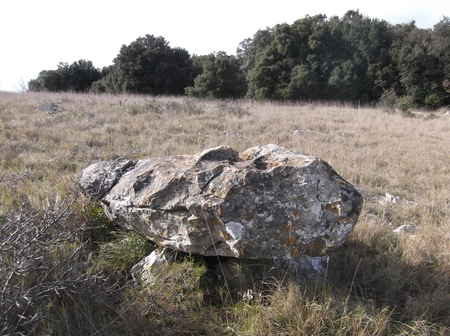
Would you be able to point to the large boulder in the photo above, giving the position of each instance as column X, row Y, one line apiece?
column 265, row 203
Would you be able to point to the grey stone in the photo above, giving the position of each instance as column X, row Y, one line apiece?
column 406, row 228
column 392, row 199
column 144, row 269
column 265, row 203
column 50, row 107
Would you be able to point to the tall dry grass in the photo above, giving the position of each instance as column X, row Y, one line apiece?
column 379, row 282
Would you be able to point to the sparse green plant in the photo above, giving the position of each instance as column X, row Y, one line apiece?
column 388, row 101
column 98, row 228
column 404, row 104
column 191, row 107
column 123, row 251
column 233, row 108
column 433, row 101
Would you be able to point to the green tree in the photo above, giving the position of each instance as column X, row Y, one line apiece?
column 149, row 65
column 440, row 48
column 77, row 77
column 221, row 77
column 346, row 81
column 304, row 83
column 360, row 64
column 51, row 80
column 271, row 74
column 417, row 68
column 250, row 49
column 82, row 74
column 320, row 58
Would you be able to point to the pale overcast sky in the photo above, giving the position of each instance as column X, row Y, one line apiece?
column 37, row 35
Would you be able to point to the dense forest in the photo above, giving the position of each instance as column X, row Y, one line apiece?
column 354, row 58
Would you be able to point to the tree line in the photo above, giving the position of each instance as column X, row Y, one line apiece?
column 354, row 58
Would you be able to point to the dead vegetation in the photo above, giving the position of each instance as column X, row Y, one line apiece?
column 65, row 268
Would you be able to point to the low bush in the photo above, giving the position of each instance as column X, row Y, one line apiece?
column 433, row 101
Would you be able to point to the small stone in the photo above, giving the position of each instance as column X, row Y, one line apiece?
column 392, row 199
column 406, row 228
column 50, row 108
column 143, row 270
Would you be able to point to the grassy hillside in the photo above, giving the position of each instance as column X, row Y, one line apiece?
column 65, row 268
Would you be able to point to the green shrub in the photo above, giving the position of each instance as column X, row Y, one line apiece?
column 124, row 251
column 433, row 101
column 390, row 103
column 404, row 104
column 388, row 100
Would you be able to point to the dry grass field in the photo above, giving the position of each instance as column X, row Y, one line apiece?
column 65, row 268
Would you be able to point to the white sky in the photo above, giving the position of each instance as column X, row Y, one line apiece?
column 36, row 35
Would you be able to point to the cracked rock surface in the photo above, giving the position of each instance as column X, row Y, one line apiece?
column 265, row 203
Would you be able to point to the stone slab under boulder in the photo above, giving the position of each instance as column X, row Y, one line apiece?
column 239, row 275
column 267, row 202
